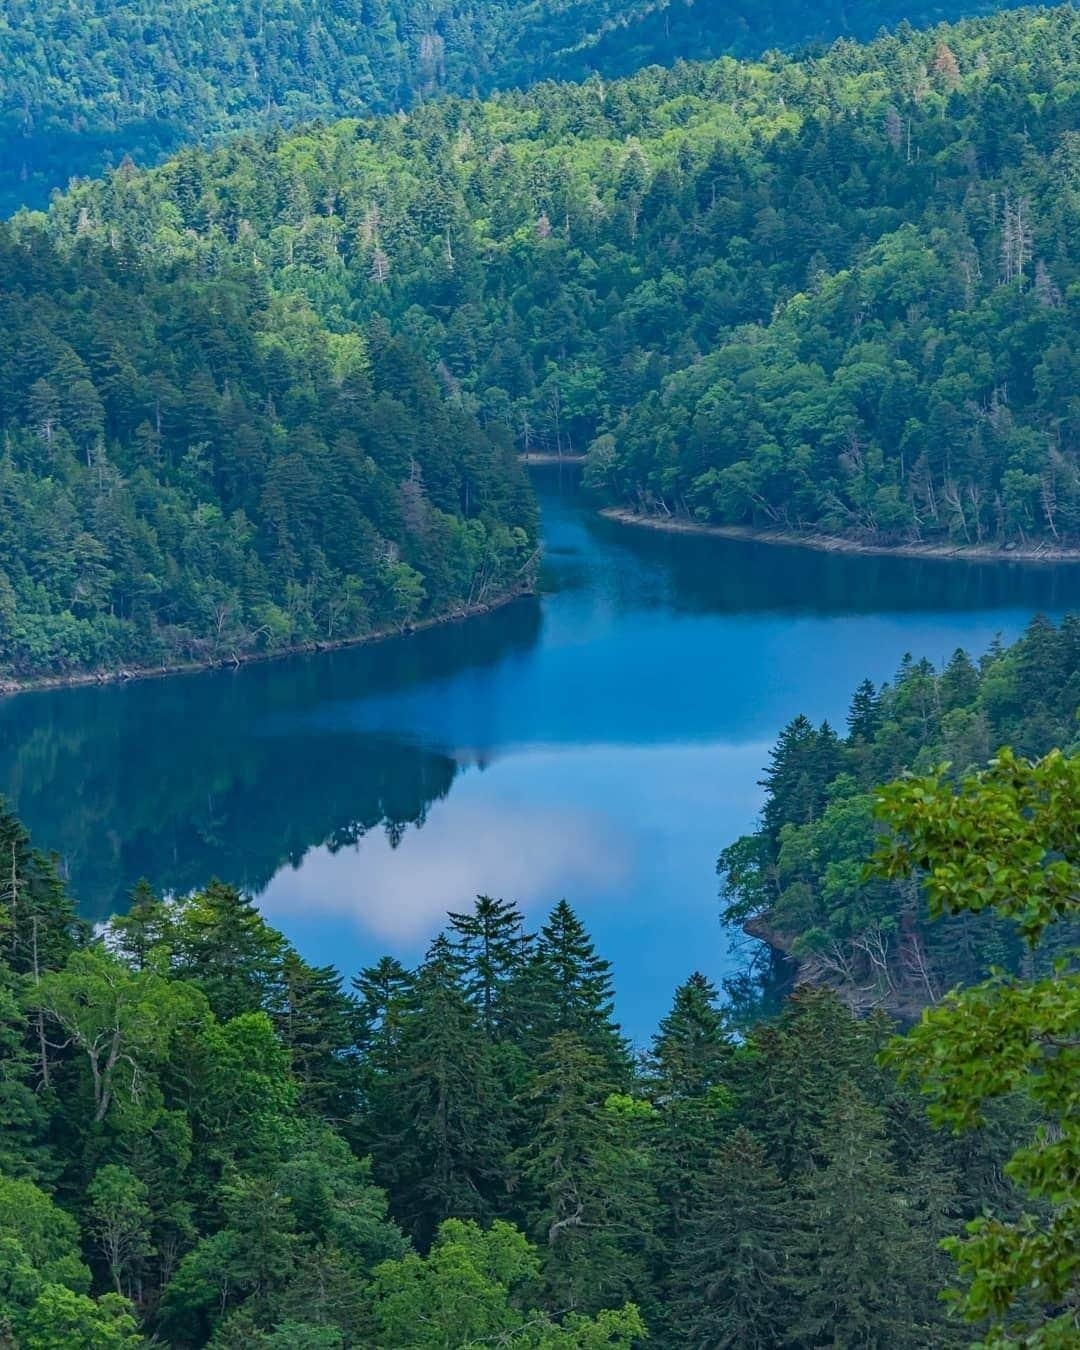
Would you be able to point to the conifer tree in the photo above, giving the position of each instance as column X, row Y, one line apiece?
column 691, row 1074
column 587, row 1174
column 864, row 715
column 451, row 1158
column 853, row 1260
column 794, row 1071
column 225, row 946
column 492, row 945
column 574, row 990
column 727, row 1283
column 38, row 927
column 316, row 1022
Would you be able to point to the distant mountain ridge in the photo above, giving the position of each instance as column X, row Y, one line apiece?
column 81, row 86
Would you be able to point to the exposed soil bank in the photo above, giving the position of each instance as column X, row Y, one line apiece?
column 831, row 543
column 905, row 1004
column 234, row 660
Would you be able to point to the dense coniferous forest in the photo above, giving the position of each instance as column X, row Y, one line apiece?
column 835, row 294
column 196, row 469
column 85, row 85
column 271, row 395
column 800, row 881
column 209, row 1141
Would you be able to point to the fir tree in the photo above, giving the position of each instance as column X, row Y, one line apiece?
column 690, row 1067
column 576, row 987
column 225, row 946
column 864, row 715
column 451, row 1157
column 587, row 1175
column 316, row 1022
column 492, row 945
column 727, row 1284
column 853, row 1271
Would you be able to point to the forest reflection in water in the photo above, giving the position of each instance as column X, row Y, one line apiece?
column 602, row 743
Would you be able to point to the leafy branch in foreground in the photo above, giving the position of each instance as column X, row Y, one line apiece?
column 1009, row 839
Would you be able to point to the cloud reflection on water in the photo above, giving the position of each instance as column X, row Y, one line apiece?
column 514, row 849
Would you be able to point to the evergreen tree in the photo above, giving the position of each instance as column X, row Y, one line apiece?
column 452, row 1156
column 38, row 926
column 587, row 1173
column 225, row 946
column 864, row 715
column 691, row 1072
column 573, row 991
column 492, row 945
column 316, row 1022
column 853, row 1259
column 727, row 1282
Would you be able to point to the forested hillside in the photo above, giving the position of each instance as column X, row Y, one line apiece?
column 800, row 880
column 836, row 294
column 207, row 1141
column 195, row 469
column 83, row 85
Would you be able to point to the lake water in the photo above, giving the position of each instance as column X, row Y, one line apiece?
column 602, row 743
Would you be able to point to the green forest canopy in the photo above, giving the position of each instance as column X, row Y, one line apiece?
column 195, row 468
column 83, row 85
column 209, row 1141
column 799, row 880
column 833, row 294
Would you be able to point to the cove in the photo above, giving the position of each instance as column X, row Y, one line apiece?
column 601, row 742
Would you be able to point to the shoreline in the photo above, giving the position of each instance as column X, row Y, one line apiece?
column 832, row 543
column 9, row 688
column 902, row 1004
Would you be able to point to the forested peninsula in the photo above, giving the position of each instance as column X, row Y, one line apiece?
column 799, row 880
column 196, row 469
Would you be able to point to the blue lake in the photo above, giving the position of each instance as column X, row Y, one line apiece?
column 601, row 743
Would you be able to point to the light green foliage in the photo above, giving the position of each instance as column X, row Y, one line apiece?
column 139, row 76
column 211, row 1099
column 777, row 293
column 62, row 1320
column 45, row 1234
column 120, row 1020
column 120, row 1219
column 44, row 1304
column 469, row 1292
column 1009, row 839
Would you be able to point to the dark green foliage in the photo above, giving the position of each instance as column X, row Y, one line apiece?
column 194, row 470
column 727, row 1280
column 800, row 881
column 833, row 295
column 232, row 1147
column 867, row 1247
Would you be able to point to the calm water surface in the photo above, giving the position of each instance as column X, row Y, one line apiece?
column 600, row 744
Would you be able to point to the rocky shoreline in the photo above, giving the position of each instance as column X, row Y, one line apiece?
column 831, row 543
